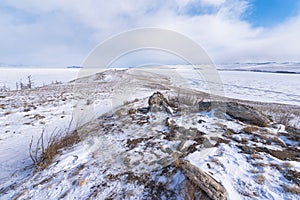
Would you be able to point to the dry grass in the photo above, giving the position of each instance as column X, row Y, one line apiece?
column 190, row 190
column 256, row 156
column 188, row 100
column 130, row 102
column 82, row 181
column 263, row 136
column 254, row 171
column 276, row 166
column 43, row 154
column 18, row 196
column 250, row 129
column 287, row 165
column 285, row 119
column 246, row 194
column 7, row 113
column 244, row 140
column 278, row 141
column 260, row 179
column 185, row 102
column 216, row 161
column 260, row 164
column 292, row 189
column 176, row 159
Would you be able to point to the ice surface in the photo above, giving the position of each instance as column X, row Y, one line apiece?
column 40, row 76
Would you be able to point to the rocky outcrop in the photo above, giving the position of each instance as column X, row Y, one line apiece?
column 205, row 182
column 246, row 114
column 157, row 102
column 243, row 113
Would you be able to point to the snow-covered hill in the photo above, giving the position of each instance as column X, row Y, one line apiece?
column 273, row 67
column 128, row 148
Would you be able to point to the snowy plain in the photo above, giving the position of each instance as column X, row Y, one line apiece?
column 246, row 85
column 40, row 76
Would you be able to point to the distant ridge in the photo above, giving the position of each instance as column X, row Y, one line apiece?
column 257, row 70
column 266, row 67
column 74, row 67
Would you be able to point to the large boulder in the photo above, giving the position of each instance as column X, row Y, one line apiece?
column 241, row 112
column 213, row 188
column 157, row 102
column 247, row 114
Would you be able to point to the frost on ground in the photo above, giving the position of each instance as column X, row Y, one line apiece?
column 143, row 148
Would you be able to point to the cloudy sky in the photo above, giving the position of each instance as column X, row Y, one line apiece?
column 62, row 33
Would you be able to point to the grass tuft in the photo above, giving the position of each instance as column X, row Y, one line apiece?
column 292, row 189
column 44, row 153
column 260, row 179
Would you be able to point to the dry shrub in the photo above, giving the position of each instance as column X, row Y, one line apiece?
column 263, row 136
column 216, row 161
column 260, row 179
column 82, row 181
column 292, row 189
column 176, row 158
column 173, row 101
column 130, row 102
column 250, row 129
column 188, row 100
column 260, row 164
column 287, row 165
column 256, row 156
column 276, row 166
column 185, row 101
column 43, row 154
column 285, row 119
column 131, row 111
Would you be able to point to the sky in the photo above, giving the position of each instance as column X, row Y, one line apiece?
column 57, row 33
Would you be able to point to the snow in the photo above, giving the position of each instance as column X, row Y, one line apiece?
column 247, row 85
column 234, row 174
column 40, row 76
column 268, row 67
column 105, row 152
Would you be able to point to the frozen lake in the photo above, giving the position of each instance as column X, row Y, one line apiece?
column 40, row 76
column 247, row 85
column 256, row 86
column 259, row 86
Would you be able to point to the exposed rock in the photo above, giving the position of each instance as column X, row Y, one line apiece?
column 237, row 111
column 157, row 102
column 208, row 184
column 205, row 106
column 247, row 114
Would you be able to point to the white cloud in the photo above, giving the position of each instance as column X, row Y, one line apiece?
column 63, row 32
column 212, row 2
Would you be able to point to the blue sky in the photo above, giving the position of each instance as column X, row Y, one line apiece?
column 268, row 13
column 62, row 33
